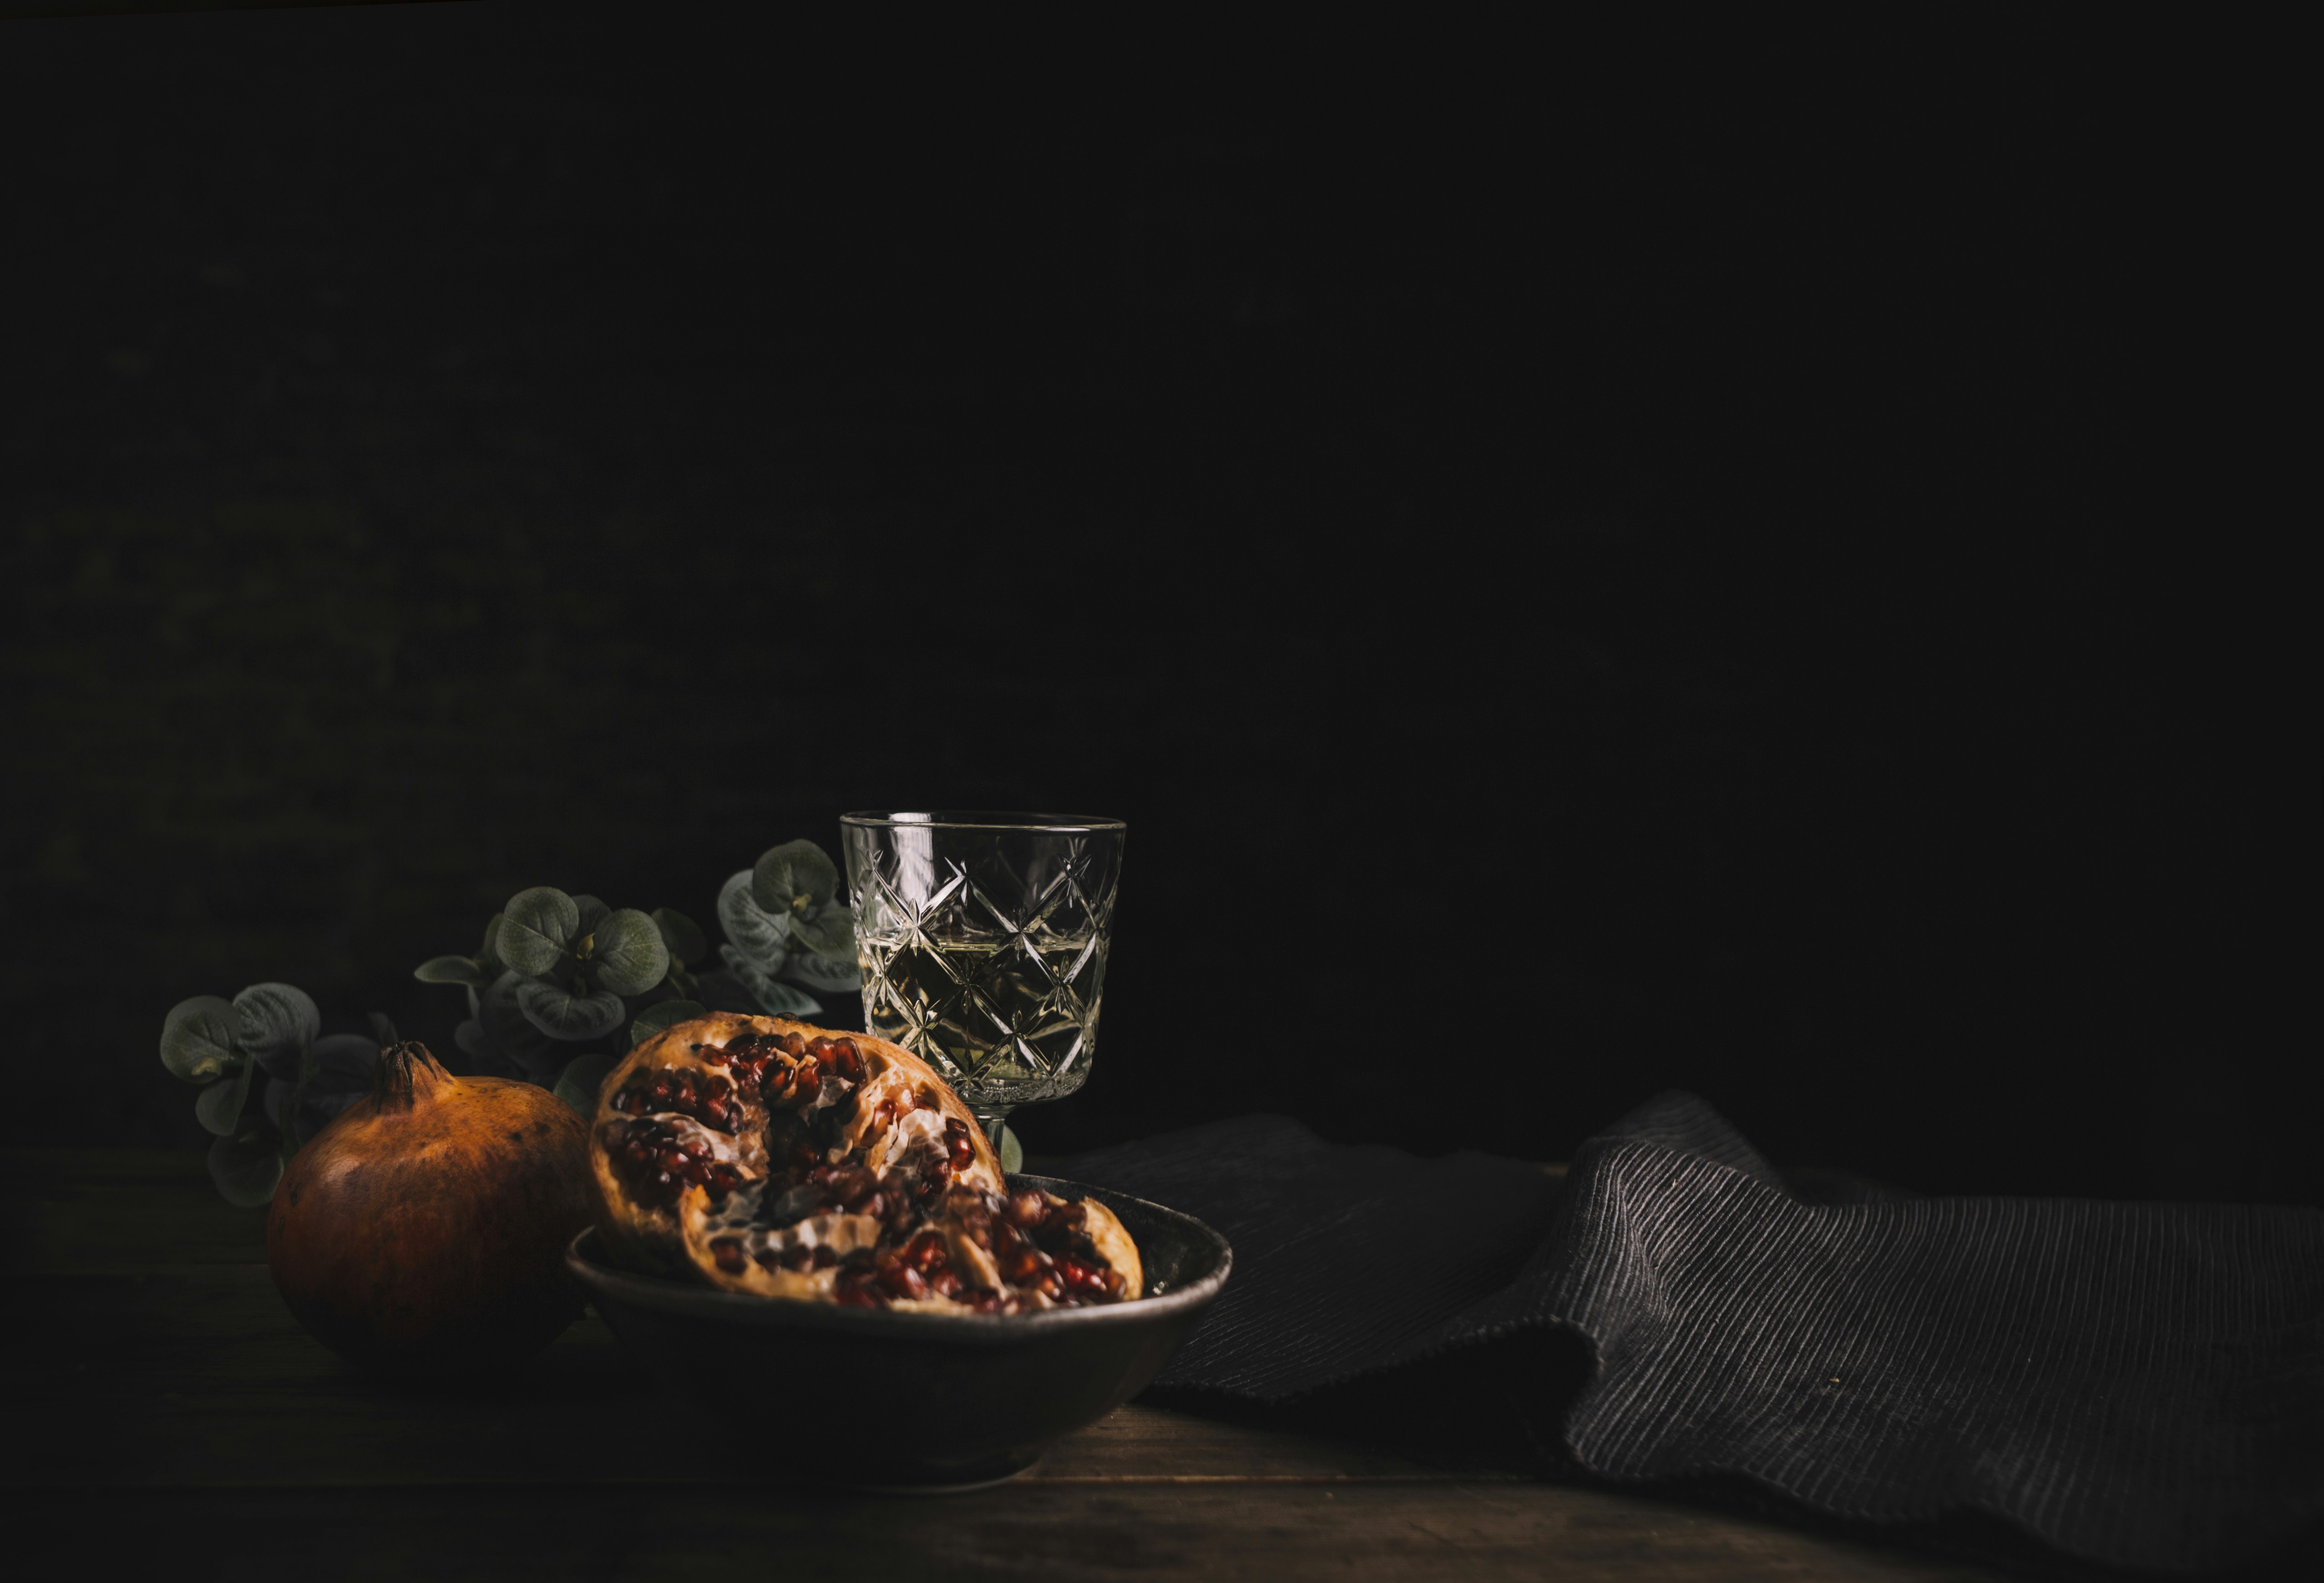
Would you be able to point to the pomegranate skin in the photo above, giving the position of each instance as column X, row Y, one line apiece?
column 423, row 1231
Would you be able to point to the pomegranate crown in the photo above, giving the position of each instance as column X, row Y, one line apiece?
column 405, row 1070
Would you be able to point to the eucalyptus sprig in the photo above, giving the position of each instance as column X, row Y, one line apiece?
column 784, row 919
column 275, row 1030
column 558, row 972
column 560, row 988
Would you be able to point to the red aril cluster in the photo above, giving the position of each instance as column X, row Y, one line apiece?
column 763, row 1155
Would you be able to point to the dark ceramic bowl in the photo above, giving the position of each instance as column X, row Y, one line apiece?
column 928, row 1401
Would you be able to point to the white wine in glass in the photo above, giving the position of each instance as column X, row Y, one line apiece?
column 982, row 939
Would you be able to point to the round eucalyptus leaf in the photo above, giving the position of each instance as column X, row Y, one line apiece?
column 776, row 1000
column 341, row 1073
column 1011, row 1152
column 794, row 878
column 541, row 1069
column 721, row 991
column 277, row 1023
column 245, row 1166
column 822, row 973
column 484, row 1059
column 670, row 1013
column 560, row 1013
column 198, row 1038
column 282, row 1094
column 452, row 971
column 506, row 1028
column 756, row 932
column 490, row 956
column 579, row 1084
column 220, row 1106
column 593, row 913
column 382, row 1031
column 627, row 954
column 681, row 937
column 829, row 931
column 536, row 930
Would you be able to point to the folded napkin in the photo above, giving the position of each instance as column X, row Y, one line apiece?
column 2135, row 1384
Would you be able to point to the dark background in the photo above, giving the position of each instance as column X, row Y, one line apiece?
column 1698, row 560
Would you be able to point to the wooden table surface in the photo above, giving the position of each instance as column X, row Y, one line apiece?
column 162, row 1403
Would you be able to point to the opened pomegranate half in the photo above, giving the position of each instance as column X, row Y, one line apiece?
column 767, row 1156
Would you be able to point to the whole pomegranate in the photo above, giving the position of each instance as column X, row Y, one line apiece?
column 423, row 1230
column 763, row 1155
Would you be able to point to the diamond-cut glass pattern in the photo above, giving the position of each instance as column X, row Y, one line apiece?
column 983, row 949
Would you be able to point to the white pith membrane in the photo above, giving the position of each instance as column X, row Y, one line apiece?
column 880, row 1191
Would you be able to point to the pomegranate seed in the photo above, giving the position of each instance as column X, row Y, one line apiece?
column 1081, row 1277
column 722, row 1178
column 824, row 1258
column 728, row 1252
column 1027, row 1208
column 903, row 1280
column 797, row 1258
column 944, row 1281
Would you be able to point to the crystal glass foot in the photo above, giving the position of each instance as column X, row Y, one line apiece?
column 983, row 938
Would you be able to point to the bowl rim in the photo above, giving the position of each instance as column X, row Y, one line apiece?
column 668, row 1296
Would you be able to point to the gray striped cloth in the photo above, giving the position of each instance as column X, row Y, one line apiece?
column 2133, row 1385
